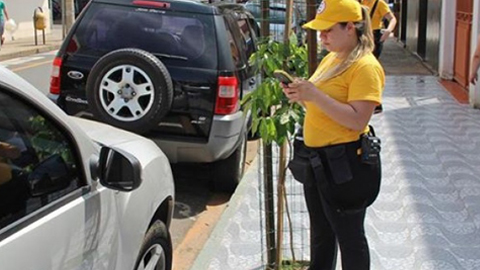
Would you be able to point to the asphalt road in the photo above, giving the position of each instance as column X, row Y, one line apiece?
column 197, row 207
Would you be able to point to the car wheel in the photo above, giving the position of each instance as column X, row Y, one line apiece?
column 130, row 89
column 228, row 172
column 156, row 251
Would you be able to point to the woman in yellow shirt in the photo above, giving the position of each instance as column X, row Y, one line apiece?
column 340, row 98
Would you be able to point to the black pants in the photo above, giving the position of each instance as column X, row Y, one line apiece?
column 377, row 34
column 329, row 227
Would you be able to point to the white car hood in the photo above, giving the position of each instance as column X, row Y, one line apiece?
column 105, row 134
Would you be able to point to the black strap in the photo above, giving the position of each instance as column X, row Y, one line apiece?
column 372, row 131
column 373, row 9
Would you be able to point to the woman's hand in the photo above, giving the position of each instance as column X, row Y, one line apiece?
column 300, row 90
column 385, row 35
column 9, row 151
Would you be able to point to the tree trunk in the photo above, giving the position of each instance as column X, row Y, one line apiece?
column 68, row 15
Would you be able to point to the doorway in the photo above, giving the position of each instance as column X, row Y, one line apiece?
column 463, row 28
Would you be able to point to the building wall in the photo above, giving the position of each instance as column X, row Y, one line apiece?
column 22, row 13
column 440, row 37
column 474, row 90
column 447, row 40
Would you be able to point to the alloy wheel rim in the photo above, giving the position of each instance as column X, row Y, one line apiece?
column 126, row 93
column 153, row 259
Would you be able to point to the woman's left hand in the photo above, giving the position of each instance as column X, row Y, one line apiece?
column 385, row 35
column 301, row 90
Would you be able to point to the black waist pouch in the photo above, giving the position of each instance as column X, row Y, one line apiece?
column 346, row 182
column 300, row 165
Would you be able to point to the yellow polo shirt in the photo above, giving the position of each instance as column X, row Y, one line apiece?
column 363, row 80
column 381, row 10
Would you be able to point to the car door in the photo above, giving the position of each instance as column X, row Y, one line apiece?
column 52, row 216
column 248, row 45
column 248, row 28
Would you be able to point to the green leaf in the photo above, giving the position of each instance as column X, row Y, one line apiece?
column 246, row 99
column 284, row 118
column 255, row 123
column 272, row 130
column 264, row 129
column 294, row 115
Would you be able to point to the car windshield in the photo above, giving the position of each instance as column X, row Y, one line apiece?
column 174, row 37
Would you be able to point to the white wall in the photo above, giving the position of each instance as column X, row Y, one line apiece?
column 447, row 40
column 22, row 12
column 474, row 91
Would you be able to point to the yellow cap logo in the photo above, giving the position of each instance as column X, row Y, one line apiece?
column 330, row 12
column 321, row 8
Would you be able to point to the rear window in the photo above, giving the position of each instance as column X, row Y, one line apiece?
column 247, row 36
column 176, row 38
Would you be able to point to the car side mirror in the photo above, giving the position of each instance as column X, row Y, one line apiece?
column 49, row 176
column 119, row 170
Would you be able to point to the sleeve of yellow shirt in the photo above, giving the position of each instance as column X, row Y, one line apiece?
column 367, row 84
column 383, row 8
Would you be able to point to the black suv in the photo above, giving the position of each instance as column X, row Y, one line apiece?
column 173, row 71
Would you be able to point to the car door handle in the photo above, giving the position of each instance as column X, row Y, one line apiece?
column 252, row 82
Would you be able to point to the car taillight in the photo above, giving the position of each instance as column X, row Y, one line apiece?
column 55, row 76
column 227, row 95
column 151, row 3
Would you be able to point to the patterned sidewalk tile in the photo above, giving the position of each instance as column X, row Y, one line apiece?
column 427, row 216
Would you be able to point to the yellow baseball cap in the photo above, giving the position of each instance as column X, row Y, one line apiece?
column 331, row 12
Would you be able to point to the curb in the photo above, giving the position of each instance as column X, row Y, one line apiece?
column 27, row 52
column 212, row 245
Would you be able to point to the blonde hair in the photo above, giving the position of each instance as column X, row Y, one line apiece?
column 365, row 46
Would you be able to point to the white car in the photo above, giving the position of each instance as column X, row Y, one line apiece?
column 77, row 194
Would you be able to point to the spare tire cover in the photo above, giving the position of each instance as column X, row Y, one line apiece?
column 130, row 89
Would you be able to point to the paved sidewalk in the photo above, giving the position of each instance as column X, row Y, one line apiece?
column 26, row 46
column 427, row 215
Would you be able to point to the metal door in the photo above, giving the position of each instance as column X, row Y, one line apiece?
column 422, row 28
column 413, row 20
column 463, row 26
column 403, row 21
column 433, row 32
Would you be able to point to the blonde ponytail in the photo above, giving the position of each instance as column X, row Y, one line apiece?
column 365, row 46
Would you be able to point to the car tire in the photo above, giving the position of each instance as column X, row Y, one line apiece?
column 130, row 89
column 228, row 173
column 156, row 249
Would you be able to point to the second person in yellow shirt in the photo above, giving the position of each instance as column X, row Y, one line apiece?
column 379, row 12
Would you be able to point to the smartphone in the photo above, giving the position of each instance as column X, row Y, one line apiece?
column 283, row 76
